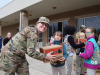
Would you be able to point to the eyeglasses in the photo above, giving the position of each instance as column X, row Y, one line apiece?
column 87, row 32
column 45, row 24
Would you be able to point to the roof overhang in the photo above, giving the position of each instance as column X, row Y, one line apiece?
column 37, row 8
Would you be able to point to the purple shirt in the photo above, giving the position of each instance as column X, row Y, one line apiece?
column 89, row 52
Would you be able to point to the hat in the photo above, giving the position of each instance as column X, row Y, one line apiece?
column 44, row 19
column 83, row 27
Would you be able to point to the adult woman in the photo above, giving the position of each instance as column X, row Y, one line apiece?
column 6, row 40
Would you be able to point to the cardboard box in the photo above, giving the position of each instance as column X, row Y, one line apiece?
column 57, row 50
column 78, row 41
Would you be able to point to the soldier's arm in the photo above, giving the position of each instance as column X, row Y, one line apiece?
column 31, row 51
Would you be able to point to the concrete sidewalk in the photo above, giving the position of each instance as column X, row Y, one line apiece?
column 39, row 68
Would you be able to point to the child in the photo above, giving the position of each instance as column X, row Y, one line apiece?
column 91, row 53
column 59, row 66
column 80, row 60
column 70, row 44
column 82, row 35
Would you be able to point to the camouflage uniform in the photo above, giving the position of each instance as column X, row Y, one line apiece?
column 13, row 53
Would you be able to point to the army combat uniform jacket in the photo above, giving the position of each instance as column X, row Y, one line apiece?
column 14, row 51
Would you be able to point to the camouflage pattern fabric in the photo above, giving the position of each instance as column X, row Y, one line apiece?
column 13, row 53
column 44, row 19
column 22, row 69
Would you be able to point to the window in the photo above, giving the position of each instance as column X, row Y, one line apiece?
column 80, row 22
column 50, row 30
column 90, row 22
column 40, row 37
column 93, row 22
column 64, row 25
column 55, row 27
column 58, row 26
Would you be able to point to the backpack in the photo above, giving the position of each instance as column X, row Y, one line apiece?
column 69, row 49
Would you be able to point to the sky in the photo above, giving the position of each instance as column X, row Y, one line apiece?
column 4, row 2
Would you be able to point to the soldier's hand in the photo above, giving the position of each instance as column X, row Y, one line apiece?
column 50, row 57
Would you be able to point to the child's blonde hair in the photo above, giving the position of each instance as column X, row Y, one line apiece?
column 82, row 34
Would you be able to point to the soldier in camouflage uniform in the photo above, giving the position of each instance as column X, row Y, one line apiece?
column 13, row 53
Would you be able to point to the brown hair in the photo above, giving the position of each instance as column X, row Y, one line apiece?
column 58, row 34
column 95, row 33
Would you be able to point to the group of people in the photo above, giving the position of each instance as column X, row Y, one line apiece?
column 13, row 53
column 87, row 53
column 68, row 51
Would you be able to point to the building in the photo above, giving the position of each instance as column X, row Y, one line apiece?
column 19, row 13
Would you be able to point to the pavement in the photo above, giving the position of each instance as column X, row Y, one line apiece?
column 37, row 67
column 40, row 68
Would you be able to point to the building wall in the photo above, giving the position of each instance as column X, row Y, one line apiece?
column 70, row 15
